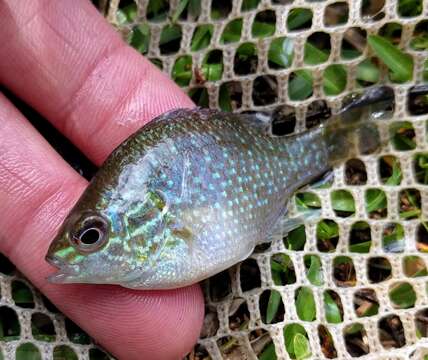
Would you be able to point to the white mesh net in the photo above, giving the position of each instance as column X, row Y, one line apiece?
column 351, row 284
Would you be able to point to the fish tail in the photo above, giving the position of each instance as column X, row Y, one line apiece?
column 355, row 131
column 348, row 139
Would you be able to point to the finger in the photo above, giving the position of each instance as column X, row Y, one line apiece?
column 65, row 60
column 37, row 190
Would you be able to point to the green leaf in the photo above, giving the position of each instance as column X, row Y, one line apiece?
column 425, row 72
column 371, row 310
column 290, row 331
column 360, row 225
column 375, row 200
column 423, row 161
column 300, row 87
column 299, row 18
column 313, row 55
column 28, row 351
column 407, row 125
column 195, row 8
column 391, row 32
column 182, row 70
column 157, row 63
column 353, row 329
column 421, row 168
column 332, row 311
column 415, row 211
column 64, row 352
column 412, row 197
column 296, row 238
column 180, row 8
column 212, row 72
column 314, row 273
column 262, row 29
column 409, row 8
column 199, row 96
column 127, row 14
column 327, row 230
column 394, row 241
column 410, row 214
column 22, row 296
column 170, row 33
column 121, row 20
column 202, row 37
column 306, row 201
column 404, row 143
column 403, row 295
column 157, row 10
column 268, row 352
column 334, row 79
column 232, row 32
column 401, row 135
column 368, row 72
column 224, row 100
column 249, row 4
column 281, row 265
column 302, row 349
column 305, row 304
column 276, row 273
column 246, row 50
column 363, row 247
column 420, row 43
column 398, row 62
column 342, row 260
column 139, row 38
column 155, row 6
column 273, row 305
column 216, row 14
column 395, row 178
column 414, row 266
column 281, row 52
column 349, row 54
column 342, row 200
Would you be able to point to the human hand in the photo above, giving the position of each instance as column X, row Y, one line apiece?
column 63, row 59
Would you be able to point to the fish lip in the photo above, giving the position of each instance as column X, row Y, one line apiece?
column 54, row 261
column 59, row 278
column 66, row 273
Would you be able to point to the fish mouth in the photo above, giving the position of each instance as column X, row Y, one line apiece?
column 66, row 273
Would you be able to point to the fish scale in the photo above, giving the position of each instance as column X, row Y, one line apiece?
column 185, row 197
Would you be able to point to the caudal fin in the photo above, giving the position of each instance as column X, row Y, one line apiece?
column 354, row 130
column 348, row 139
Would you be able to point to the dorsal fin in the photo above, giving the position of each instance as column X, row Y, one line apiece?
column 259, row 120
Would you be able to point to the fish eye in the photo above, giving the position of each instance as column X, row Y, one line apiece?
column 91, row 234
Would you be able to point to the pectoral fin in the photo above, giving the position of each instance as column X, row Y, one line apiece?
column 286, row 224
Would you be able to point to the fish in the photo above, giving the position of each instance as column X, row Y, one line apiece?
column 193, row 192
